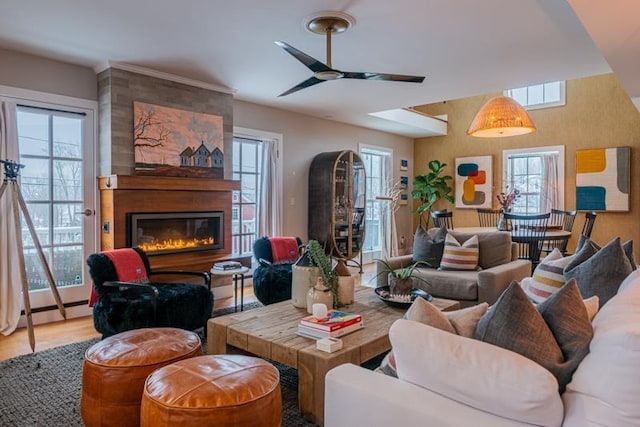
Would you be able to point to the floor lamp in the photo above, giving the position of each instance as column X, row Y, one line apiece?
column 10, row 183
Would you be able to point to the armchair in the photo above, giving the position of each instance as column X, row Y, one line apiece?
column 272, row 278
column 124, row 298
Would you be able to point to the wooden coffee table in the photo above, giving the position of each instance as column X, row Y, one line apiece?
column 270, row 332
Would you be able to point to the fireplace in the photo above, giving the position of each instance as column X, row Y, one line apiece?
column 172, row 232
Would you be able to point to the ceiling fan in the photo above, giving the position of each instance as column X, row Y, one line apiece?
column 327, row 24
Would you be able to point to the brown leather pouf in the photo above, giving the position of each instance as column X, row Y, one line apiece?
column 221, row 390
column 115, row 369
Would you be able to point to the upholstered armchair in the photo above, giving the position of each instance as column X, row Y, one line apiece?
column 124, row 296
column 272, row 278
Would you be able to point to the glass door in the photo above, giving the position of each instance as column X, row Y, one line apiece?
column 57, row 184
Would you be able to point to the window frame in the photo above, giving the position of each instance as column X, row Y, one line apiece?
column 371, row 198
column 258, row 136
column 560, row 103
column 507, row 155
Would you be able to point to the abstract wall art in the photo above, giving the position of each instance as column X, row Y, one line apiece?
column 473, row 181
column 173, row 142
column 603, row 179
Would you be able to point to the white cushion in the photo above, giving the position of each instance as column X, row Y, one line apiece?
column 460, row 257
column 475, row 373
column 547, row 278
column 605, row 387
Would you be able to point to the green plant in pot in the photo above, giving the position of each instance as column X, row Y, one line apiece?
column 401, row 280
column 320, row 259
column 431, row 187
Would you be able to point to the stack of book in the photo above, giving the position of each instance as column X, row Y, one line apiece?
column 227, row 265
column 336, row 324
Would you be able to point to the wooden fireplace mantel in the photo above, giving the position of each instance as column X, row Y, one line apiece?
column 124, row 194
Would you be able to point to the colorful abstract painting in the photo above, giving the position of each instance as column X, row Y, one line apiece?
column 602, row 179
column 473, row 180
column 173, row 142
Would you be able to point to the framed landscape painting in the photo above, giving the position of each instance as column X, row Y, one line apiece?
column 172, row 142
column 603, row 179
column 473, row 182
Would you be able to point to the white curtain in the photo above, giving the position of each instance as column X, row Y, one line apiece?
column 269, row 210
column 388, row 214
column 11, row 276
column 549, row 190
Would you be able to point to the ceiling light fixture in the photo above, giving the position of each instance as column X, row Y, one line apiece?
column 499, row 117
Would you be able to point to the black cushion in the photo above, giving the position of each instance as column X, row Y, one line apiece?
column 428, row 246
column 272, row 283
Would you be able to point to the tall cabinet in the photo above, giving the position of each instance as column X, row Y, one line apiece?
column 337, row 201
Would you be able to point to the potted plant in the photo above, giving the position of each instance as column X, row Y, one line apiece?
column 431, row 187
column 401, row 280
column 320, row 259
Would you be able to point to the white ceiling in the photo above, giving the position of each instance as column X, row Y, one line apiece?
column 464, row 47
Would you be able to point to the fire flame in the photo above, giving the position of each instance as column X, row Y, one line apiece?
column 173, row 245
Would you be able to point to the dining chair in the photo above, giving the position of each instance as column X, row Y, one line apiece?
column 559, row 220
column 442, row 219
column 529, row 232
column 488, row 217
column 589, row 221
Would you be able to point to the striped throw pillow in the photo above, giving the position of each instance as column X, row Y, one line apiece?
column 547, row 278
column 460, row 257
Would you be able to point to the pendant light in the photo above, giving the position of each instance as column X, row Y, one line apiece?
column 499, row 117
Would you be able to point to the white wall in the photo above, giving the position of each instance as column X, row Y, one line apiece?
column 26, row 71
column 303, row 138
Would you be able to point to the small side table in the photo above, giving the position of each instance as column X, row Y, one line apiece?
column 236, row 274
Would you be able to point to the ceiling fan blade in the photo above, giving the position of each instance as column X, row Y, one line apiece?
column 382, row 76
column 310, row 62
column 309, row 82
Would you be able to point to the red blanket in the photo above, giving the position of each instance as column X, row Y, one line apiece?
column 284, row 249
column 129, row 268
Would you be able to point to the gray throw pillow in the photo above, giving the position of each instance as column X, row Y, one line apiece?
column 599, row 272
column 494, row 247
column 627, row 247
column 429, row 245
column 514, row 323
column 567, row 318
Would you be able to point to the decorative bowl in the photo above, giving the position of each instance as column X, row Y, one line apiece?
column 384, row 294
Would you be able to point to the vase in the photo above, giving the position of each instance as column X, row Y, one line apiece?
column 319, row 294
column 346, row 284
column 303, row 277
column 346, row 290
column 399, row 286
column 503, row 224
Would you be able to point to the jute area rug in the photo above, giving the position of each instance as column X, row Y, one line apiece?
column 43, row 388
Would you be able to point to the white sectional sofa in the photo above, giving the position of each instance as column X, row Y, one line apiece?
column 498, row 387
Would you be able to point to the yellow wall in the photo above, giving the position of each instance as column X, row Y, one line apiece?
column 598, row 114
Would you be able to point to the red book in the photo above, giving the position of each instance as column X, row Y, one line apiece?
column 335, row 320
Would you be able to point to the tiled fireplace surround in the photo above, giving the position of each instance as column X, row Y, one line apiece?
column 122, row 192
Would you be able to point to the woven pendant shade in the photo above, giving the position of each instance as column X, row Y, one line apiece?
column 501, row 116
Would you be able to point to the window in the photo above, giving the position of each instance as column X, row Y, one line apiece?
column 376, row 163
column 51, row 148
column 544, row 95
column 247, row 161
column 539, row 175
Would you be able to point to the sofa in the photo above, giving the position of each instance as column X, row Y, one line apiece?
column 498, row 262
column 496, row 387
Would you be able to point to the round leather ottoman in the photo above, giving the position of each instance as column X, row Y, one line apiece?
column 222, row 390
column 115, row 369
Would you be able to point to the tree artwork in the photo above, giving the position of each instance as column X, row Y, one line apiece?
column 174, row 142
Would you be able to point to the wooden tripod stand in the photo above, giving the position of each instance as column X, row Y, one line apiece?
column 11, row 173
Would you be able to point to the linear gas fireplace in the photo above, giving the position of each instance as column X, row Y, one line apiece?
column 171, row 232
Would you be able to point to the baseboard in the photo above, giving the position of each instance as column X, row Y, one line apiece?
column 50, row 316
